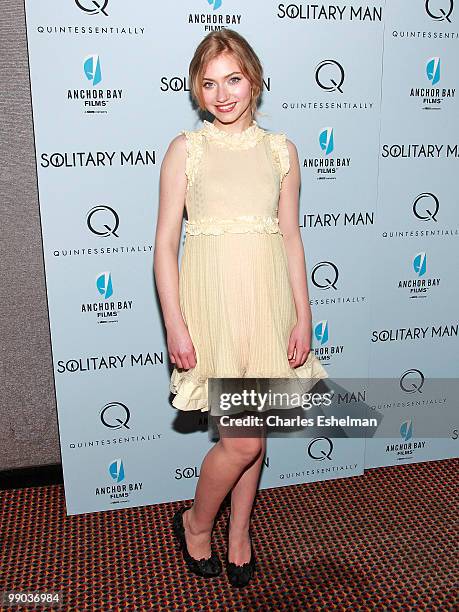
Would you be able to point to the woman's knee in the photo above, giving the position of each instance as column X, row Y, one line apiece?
column 243, row 449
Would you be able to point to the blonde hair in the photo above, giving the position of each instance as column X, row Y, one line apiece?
column 225, row 41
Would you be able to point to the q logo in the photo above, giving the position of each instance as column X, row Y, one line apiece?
column 93, row 7
column 115, row 415
column 442, row 14
column 412, row 385
column 335, row 81
column 109, row 228
column 429, row 212
column 320, row 449
column 327, row 277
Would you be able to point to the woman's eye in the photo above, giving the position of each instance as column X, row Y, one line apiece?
column 233, row 81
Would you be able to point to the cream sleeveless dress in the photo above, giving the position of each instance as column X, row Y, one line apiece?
column 234, row 286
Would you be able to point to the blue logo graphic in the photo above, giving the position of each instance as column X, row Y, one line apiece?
column 406, row 430
column 433, row 70
column 217, row 3
column 321, row 331
column 92, row 69
column 104, row 285
column 116, row 470
column 419, row 264
column 326, row 140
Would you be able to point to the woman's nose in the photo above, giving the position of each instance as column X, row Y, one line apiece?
column 222, row 94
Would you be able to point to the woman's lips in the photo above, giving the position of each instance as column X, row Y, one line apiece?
column 226, row 108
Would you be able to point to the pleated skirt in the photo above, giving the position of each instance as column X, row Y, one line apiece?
column 237, row 303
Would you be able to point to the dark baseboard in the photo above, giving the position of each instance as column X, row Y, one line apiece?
column 38, row 476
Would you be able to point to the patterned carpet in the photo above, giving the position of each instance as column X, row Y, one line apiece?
column 387, row 540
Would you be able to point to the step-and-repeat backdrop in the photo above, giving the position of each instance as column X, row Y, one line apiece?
column 368, row 93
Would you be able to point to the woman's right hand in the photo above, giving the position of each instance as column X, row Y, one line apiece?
column 180, row 347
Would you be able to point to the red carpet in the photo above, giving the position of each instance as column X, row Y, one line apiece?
column 383, row 541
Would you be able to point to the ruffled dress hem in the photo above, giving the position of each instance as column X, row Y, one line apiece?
column 191, row 390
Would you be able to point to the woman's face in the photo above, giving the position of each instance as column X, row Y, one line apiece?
column 226, row 91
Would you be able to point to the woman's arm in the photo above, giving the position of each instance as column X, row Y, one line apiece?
column 300, row 340
column 172, row 190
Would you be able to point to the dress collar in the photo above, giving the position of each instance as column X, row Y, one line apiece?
column 242, row 140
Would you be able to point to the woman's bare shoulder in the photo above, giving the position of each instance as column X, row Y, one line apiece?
column 176, row 150
column 291, row 147
column 178, row 142
column 184, row 139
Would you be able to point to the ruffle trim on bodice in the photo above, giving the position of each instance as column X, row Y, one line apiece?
column 243, row 140
column 194, row 150
column 281, row 155
column 246, row 139
column 216, row 226
column 191, row 390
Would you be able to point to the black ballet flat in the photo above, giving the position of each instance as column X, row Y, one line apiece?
column 240, row 575
column 206, row 568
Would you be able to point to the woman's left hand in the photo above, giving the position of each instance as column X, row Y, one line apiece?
column 299, row 345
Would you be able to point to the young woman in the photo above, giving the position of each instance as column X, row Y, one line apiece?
column 239, row 307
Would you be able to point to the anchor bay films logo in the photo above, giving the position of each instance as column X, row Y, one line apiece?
column 430, row 97
column 106, row 310
column 406, row 447
column 93, row 99
column 326, row 351
column 216, row 17
column 420, row 284
column 328, row 166
column 119, row 491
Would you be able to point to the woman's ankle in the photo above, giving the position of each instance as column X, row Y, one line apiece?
column 238, row 529
column 193, row 528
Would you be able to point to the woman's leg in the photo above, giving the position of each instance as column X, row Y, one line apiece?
column 220, row 469
column 242, row 498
